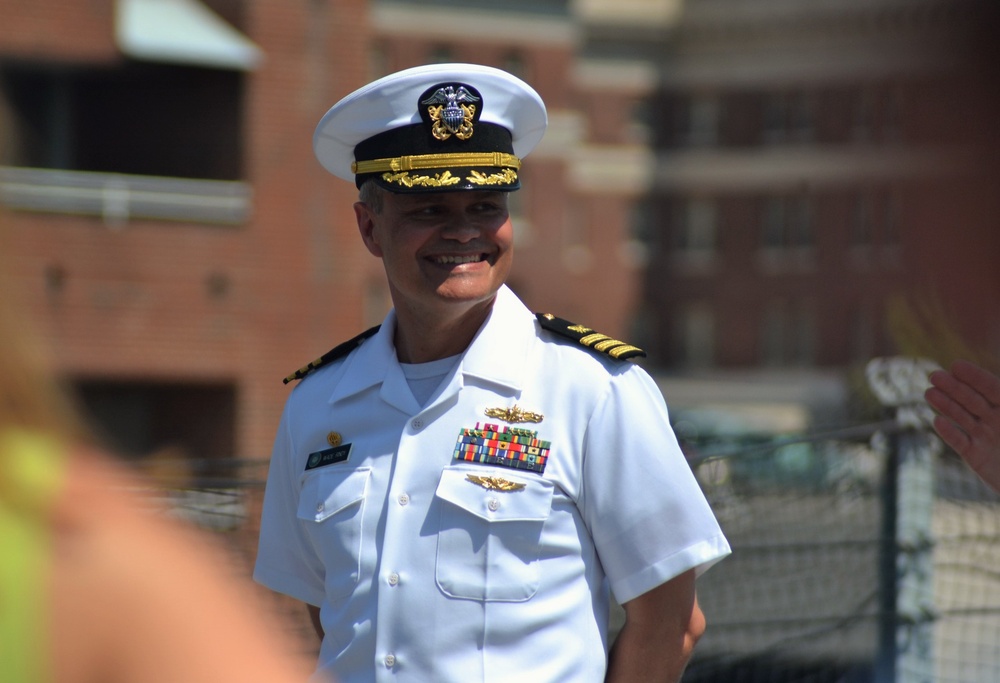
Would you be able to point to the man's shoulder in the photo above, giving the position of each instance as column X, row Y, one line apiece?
column 586, row 338
column 336, row 353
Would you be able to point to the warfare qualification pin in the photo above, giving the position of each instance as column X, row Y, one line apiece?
column 513, row 415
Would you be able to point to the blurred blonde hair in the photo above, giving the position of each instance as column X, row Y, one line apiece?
column 921, row 326
column 31, row 397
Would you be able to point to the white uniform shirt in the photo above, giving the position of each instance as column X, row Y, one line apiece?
column 423, row 574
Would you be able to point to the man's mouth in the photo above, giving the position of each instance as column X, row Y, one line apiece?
column 467, row 258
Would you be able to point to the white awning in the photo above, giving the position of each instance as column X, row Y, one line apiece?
column 181, row 32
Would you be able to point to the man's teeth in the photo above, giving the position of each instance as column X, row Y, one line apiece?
column 471, row 258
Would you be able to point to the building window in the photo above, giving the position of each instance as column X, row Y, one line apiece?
column 143, row 119
column 772, row 335
column 804, row 334
column 774, row 118
column 142, row 419
column 788, row 334
column 378, row 61
column 862, row 221
column 514, row 62
column 802, row 117
column 863, row 116
column 874, row 231
column 863, row 331
column 698, row 121
column 799, row 223
column 695, row 340
column 699, row 227
column 441, row 54
column 787, row 225
column 643, row 238
column 576, row 253
column 773, row 223
column 640, row 125
column 788, row 117
column 891, row 249
column 695, row 235
column 642, row 223
column 894, row 108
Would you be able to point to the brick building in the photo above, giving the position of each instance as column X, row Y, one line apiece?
column 728, row 184
column 181, row 248
column 825, row 184
column 162, row 209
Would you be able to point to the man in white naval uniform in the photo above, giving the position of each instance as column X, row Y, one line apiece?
column 456, row 492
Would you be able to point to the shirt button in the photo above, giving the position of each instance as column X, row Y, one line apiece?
column 393, row 579
column 403, row 499
column 390, row 660
column 493, row 504
column 417, row 424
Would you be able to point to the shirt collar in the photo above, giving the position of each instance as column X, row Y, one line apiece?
column 503, row 338
column 368, row 365
column 506, row 335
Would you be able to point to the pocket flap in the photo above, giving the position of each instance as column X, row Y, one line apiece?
column 480, row 491
column 327, row 492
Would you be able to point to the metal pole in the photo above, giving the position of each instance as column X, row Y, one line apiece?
column 906, row 634
column 885, row 658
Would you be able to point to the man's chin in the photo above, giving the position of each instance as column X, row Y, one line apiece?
column 468, row 296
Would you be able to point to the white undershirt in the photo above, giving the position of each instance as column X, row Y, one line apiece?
column 425, row 378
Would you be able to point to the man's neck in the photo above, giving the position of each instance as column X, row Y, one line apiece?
column 423, row 337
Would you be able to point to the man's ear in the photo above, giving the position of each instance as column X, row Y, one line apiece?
column 366, row 226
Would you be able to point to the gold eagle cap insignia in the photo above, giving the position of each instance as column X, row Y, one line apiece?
column 513, row 415
column 494, row 483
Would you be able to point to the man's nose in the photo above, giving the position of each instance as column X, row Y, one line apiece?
column 460, row 229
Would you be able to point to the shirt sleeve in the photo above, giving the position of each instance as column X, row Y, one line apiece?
column 647, row 514
column 286, row 560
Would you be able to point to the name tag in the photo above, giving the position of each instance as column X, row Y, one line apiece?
column 330, row 456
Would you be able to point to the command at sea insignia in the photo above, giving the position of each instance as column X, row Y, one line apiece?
column 596, row 341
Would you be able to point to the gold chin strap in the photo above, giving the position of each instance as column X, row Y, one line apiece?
column 427, row 161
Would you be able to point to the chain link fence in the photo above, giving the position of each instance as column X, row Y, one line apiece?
column 865, row 554
column 832, row 578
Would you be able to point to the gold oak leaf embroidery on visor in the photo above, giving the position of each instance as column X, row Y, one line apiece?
column 437, row 180
column 494, row 483
column 504, row 177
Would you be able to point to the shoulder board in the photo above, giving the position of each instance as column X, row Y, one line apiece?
column 333, row 354
column 585, row 336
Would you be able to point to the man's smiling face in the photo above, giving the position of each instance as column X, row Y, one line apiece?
column 440, row 249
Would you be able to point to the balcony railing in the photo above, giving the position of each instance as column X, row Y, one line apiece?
column 119, row 197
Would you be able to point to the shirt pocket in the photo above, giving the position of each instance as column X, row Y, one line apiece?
column 489, row 540
column 331, row 506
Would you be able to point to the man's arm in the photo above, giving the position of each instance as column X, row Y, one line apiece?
column 968, row 400
column 660, row 632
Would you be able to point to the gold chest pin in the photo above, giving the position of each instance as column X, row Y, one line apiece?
column 494, row 483
column 513, row 415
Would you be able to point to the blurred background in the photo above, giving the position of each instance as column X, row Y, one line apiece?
column 763, row 194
